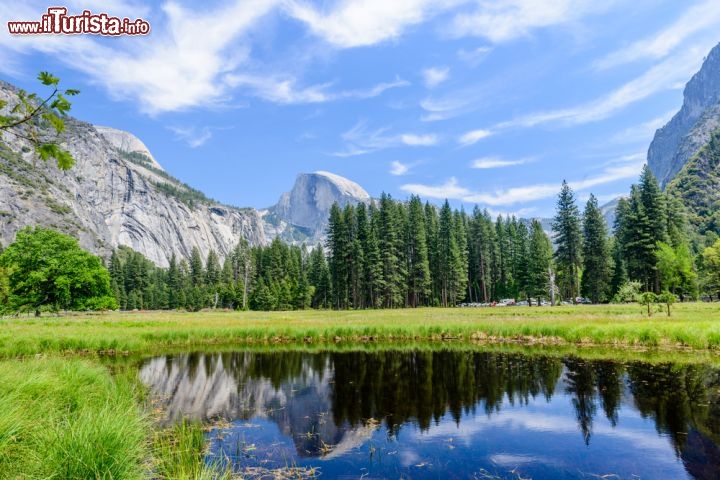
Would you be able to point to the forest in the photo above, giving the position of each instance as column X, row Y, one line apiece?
column 395, row 254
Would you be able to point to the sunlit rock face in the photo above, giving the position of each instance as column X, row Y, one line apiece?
column 307, row 206
column 119, row 194
column 691, row 127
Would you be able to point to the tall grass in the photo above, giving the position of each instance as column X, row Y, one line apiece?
column 69, row 419
column 695, row 326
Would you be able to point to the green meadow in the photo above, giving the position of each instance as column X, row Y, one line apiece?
column 71, row 406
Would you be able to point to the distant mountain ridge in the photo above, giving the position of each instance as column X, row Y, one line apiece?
column 119, row 194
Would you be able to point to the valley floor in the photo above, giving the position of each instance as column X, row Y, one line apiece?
column 71, row 405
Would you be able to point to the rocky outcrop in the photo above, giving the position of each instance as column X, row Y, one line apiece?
column 118, row 194
column 307, row 206
column 690, row 129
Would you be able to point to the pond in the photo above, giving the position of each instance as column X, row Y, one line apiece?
column 445, row 414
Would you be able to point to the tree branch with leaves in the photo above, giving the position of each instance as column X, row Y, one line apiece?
column 30, row 114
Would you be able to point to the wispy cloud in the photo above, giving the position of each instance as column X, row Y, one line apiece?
column 194, row 58
column 194, row 137
column 415, row 140
column 473, row 136
column 360, row 140
column 495, row 162
column 626, row 167
column 348, row 24
column 505, row 21
column 286, row 91
column 474, row 56
column 700, row 17
column 181, row 65
column 398, row 168
column 450, row 190
column 665, row 75
column 642, row 132
column 434, row 76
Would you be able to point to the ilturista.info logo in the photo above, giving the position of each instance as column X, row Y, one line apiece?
column 57, row 22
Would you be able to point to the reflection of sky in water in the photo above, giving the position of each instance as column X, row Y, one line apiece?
column 540, row 440
column 290, row 423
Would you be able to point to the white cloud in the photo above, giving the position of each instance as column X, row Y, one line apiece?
column 448, row 190
column 473, row 136
column 510, row 19
column 354, row 24
column 414, row 140
column 192, row 59
column 642, row 132
column 359, row 140
column 625, row 167
column 182, row 64
column 663, row 76
column 495, row 162
column 475, row 56
column 194, row 137
column 703, row 16
column 434, row 76
column 398, row 168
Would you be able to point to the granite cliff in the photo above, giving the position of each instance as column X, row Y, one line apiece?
column 119, row 194
column 690, row 129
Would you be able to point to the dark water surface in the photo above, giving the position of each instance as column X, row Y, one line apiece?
column 443, row 414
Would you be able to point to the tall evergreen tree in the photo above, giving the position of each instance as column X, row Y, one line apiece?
column 338, row 244
column 568, row 241
column 596, row 254
column 417, row 255
column 539, row 261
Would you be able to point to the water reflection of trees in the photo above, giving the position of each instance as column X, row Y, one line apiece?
column 396, row 387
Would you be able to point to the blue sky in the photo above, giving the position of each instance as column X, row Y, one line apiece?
column 491, row 103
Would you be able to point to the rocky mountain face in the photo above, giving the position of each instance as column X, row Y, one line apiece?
column 690, row 129
column 118, row 194
column 307, row 206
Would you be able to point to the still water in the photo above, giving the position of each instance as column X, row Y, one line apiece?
column 444, row 414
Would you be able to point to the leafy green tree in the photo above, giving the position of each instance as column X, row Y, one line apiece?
column 628, row 292
column 711, row 264
column 31, row 113
column 568, row 239
column 596, row 254
column 668, row 299
column 677, row 269
column 49, row 269
column 648, row 299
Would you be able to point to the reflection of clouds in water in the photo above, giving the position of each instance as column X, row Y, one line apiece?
column 408, row 457
column 552, row 424
column 512, row 460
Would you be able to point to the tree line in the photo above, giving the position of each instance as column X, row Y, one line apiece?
column 392, row 254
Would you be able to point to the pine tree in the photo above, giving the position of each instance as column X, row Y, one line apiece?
column 197, row 272
column 568, row 240
column 539, row 261
column 338, row 246
column 390, row 243
column 431, row 234
column 373, row 283
column 596, row 254
column 417, row 255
